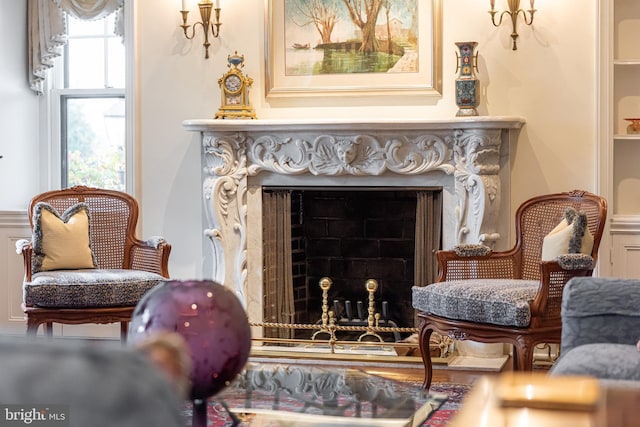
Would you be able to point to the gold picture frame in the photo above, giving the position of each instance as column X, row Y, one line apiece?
column 423, row 79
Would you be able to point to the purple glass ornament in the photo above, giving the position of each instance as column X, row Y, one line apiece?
column 212, row 321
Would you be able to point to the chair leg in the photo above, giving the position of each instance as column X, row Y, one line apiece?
column 424, row 339
column 32, row 327
column 523, row 357
column 49, row 329
column 124, row 326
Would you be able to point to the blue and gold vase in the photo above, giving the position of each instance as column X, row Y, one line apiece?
column 467, row 84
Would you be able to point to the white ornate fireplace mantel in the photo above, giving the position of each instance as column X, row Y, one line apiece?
column 468, row 158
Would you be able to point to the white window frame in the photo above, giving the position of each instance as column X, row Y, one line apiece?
column 50, row 111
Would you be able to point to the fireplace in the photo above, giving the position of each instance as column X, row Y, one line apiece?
column 349, row 235
column 465, row 159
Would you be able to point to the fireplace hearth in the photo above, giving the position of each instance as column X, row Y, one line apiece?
column 465, row 159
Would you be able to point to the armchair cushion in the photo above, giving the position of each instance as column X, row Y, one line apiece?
column 496, row 301
column 571, row 235
column 61, row 242
column 88, row 288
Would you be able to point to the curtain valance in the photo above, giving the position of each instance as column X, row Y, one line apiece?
column 48, row 30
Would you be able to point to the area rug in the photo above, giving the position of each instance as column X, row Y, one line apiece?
column 445, row 398
column 455, row 393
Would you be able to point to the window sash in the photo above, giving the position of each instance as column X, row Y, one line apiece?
column 70, row 95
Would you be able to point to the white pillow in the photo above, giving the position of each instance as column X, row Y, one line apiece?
column 571, row 235
column 61, row 242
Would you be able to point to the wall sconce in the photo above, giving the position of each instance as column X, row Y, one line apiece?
column 513, row 12
column 205, row 7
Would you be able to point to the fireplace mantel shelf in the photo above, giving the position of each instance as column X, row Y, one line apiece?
column 478, row 122
column 467, row 158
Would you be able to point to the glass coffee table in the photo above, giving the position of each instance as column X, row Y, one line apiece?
column 270, row 394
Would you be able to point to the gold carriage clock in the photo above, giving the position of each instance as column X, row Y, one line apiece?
column 235, row 91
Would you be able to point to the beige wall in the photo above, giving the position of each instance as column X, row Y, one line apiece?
column 21, row 154
column 550, row 81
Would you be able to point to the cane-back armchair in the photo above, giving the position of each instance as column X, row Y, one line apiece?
column 84, row 263
column 513, row 296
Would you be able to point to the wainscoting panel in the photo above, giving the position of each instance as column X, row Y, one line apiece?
column 625, row 255
column 14, row 225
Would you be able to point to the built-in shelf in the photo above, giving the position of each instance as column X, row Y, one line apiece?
column 626, row 62
column 627, row 137
column 619, row 87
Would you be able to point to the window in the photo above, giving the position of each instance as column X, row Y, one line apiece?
column 89, row 99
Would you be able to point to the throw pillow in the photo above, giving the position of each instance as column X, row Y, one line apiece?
column 61, row 242
column 570, row 236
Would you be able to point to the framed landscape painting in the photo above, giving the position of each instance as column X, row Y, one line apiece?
column 353, row 48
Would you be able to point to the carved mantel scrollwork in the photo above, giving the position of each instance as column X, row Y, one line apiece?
column 469, row 152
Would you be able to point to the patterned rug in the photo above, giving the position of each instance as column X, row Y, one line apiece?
column 445, row 397
column 455, row 393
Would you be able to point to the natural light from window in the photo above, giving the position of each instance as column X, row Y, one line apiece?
column 92, row 106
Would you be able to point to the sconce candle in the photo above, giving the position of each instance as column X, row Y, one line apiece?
column 184, row 5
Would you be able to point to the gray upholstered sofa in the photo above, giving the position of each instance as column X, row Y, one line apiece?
column 600, row 329
column 86, row 384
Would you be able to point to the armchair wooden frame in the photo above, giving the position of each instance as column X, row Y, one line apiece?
column 115, row 246
column 535, row 218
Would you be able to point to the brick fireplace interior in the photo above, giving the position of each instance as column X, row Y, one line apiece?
column 351, row 235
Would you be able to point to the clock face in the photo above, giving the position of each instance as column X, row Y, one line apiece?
column 232, row 83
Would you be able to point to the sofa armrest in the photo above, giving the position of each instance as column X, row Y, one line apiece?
column 600, row 310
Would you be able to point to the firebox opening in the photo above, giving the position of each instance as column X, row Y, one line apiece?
column 349, row 235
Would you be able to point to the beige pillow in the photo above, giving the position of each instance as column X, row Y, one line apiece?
column 61, row 242
column 570, row 236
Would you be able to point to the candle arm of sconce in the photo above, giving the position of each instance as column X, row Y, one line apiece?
column 524, row 16
column 186, row 27
column 501, row 15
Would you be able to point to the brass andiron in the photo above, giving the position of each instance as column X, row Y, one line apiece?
column 205, row 7
column 513, row 12
column 374, row 318
column 328, row 325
